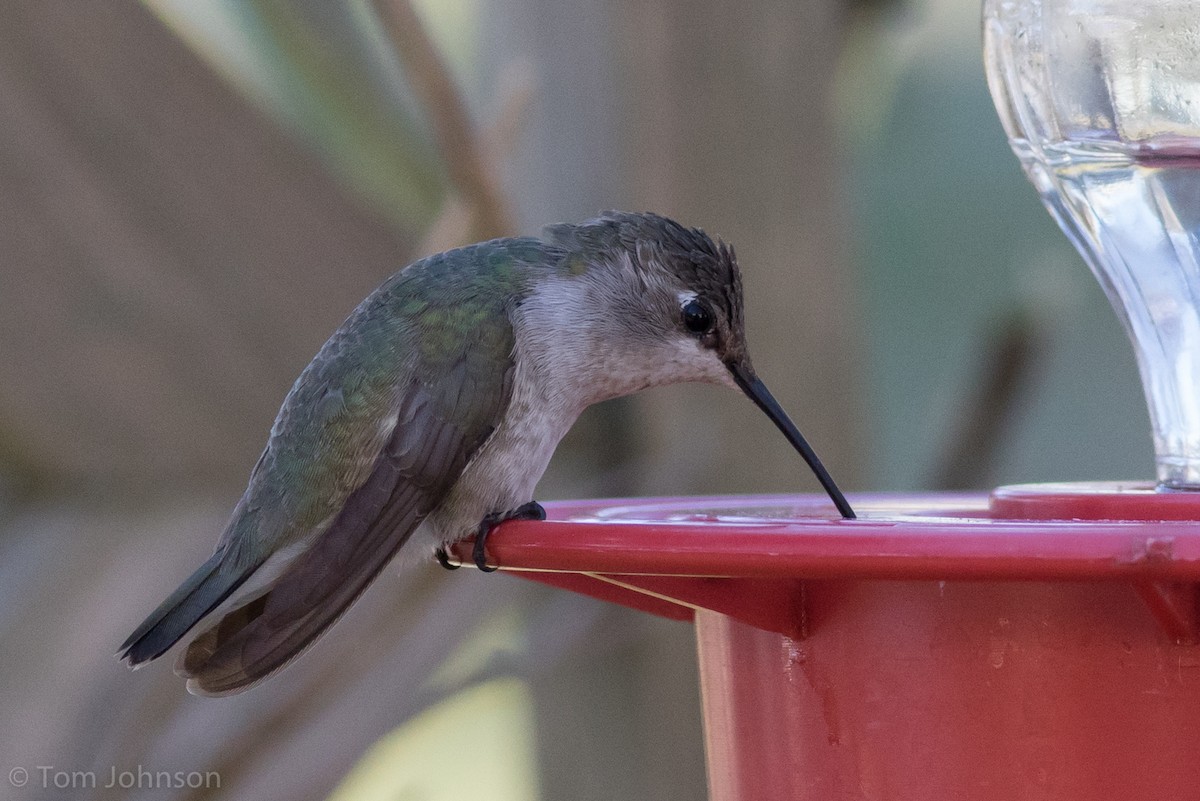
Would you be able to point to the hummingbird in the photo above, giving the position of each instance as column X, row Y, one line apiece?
column 431, row 413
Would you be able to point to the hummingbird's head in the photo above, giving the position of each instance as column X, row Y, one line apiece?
column 653, row 302
column 670, row 293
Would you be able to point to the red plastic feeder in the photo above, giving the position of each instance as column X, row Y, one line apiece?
column 1034, row 644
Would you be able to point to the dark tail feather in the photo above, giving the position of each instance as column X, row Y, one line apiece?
column 200, row 594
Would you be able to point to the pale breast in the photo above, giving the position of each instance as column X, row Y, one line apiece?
column 502, row 475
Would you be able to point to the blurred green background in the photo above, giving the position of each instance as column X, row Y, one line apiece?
column 194, row 193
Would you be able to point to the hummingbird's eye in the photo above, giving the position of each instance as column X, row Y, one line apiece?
column 696, row 317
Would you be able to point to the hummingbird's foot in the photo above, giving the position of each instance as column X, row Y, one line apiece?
column 443, row 559
column 528, row 511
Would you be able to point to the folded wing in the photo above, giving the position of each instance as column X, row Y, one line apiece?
column 440, row 424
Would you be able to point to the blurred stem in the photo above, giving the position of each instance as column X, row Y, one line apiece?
column 1009, row 358
column 460, row 148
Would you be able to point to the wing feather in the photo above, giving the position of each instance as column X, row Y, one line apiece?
column 437, row 431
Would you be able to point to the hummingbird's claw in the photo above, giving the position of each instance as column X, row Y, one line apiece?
column 528, row 511
column 479, row 551
column 443, row 559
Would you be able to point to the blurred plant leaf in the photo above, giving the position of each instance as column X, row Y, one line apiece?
column 327, row 72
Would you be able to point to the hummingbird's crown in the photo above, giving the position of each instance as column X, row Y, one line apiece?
column 704, row 265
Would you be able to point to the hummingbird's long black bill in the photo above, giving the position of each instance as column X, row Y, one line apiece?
column 757, row 391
